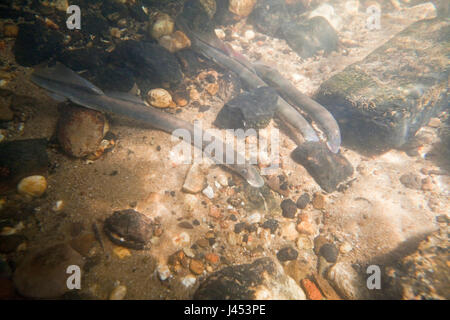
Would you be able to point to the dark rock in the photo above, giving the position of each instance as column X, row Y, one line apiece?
column 252, row 109
column 239, row 227
column 80, row 130
column 382, row 108
column 36, row 43
column 289, row 208
column 149, row 61
column 268, row 16
column 329, row 252
column 287, row 254
column 185, row 225
column 245, row 282
column 10, row 243
column 20, row 159
column 271, row 224
column 309, row 37
column 43, row 275
column 199, row 15
column 83, row 58
column 129, row 228
column 303, row 201
column 327, row 169
column 224, row 16
column 411, row 180
column 114, row 78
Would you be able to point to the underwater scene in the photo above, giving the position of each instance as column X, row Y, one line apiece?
column 224, row 150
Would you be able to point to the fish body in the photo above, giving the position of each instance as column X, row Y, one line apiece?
column 64, row 83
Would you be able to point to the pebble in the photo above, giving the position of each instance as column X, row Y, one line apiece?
column 287, row 254
column 195, row 180
column 347, row 281
column 196, row 266
column 58, row 206
column 345, row 248
column 249, row 35
column 182, row 239
column 427, row 184
column 271, row 224
column 304, row 243
column 175, row 41
column 185, row 225
column 329, row 252
column 318, row 201
column 289, row 208
column 411, row 181
column 311, row 290
column 33, row 186
column 188, row 281
column 223, row 180
column 212, row 258
column 254, row 218
column 163, row 272
column 319, row 241
column 118, row 293
column 159, row 98
column 306, row 227
column 203, row 243
column 209, row 192
column 241, row 7
column 162, row 25
column 303, row 201
column 188, row 252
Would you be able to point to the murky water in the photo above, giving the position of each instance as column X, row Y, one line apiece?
column 325, row 134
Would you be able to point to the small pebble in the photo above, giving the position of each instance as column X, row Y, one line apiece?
column 318, row 201
column 303, row 201
column 329, row 252
column 185, row 225
column 162, row 25
column 254, row 218
column 118, row 293
column 121, row 252
column 159, row 98
column 212, row 258
column 288, row 208
column 311, row 290
column 188, row 252
column 163, row 272
column 58, row 206
column 196, row 267
column 287, row 254
column 188, row 281
column 33, row 186
column 304, row 243
column 271, row 224
column 345, row 248
column 249, row 35
column 209, row 192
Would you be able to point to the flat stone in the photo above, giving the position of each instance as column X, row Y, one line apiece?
column 195, row 180
column 383, row 100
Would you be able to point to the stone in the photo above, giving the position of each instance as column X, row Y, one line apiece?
column 43, row 275
column 382, row 108
column 289, row 208
column 311, row 290
column 310, row 37
column 329, row 252
column 35, row 43
column 271, row 224
column 209, row 192
column 318, row 201
column 327, row 169
column 264, row 279
column 327, row 11
column 129, row 228
column 195, row 180
column 349, row 283
column 411, row 181
column 306, row 227
column 80, row 130
column 241, row 7
column 196, row 266
column 268, row 15
column 303, row 201
column 159, row 98
column 212, row 258
column 287, row 254
column 175, row 42
column 253, row 109
column 162, row 24
column 33, row 186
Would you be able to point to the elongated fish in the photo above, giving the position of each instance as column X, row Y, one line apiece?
column 251, row 80
column 64, row 83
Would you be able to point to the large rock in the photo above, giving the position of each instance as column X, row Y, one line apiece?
column 381, row 101
column 310, row 37
column 268, row 15
column 261, row 280
column 43, row 275
column 328, row 169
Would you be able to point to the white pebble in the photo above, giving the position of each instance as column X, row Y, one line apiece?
column 188, row 252
column 249, row 35
column 58, row 206
column 188, row 281
column 34, row 186
column 163, row 272
column 220, row 33
column 209, row 192
column 254, row 218
column 118, row 293
column 182, row 239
